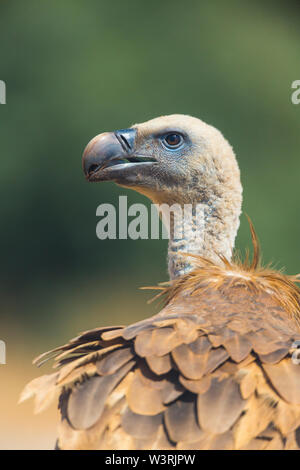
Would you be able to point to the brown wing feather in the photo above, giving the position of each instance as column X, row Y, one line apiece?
column 212, row 370
column 87, row 400
column 181, row 420
column 220, row 406
column 140, row 425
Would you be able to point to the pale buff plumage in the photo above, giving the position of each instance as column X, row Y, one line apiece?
column 208, row 175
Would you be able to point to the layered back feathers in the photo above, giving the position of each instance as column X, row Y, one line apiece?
column 213, row 370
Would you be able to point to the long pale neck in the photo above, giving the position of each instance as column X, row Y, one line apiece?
column 207, row 230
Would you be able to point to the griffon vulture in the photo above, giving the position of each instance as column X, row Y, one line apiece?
column 214, row 369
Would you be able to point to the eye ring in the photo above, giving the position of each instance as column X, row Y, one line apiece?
column 172, row 140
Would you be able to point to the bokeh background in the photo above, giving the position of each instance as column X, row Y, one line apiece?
column 74, row 68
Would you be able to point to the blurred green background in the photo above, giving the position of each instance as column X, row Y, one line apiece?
column 76, row 68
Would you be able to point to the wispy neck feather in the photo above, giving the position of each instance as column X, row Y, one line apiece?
column 205, row 229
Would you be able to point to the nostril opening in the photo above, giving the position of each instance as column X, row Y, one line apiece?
column 125, row 142
column 93, row 168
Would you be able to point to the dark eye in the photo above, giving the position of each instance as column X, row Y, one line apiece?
column 172, row 140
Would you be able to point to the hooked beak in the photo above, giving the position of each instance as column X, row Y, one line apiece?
column 109, row 156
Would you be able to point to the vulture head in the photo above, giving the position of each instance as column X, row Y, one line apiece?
column 181, row 160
